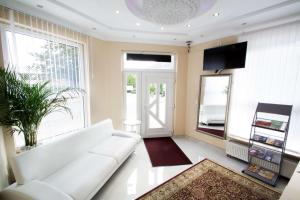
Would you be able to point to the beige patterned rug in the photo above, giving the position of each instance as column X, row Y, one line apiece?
column 208, row 180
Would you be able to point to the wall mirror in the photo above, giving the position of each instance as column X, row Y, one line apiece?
column 213, row 104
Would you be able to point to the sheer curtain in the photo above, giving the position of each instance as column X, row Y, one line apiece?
column 44, row 51
column 272, row 75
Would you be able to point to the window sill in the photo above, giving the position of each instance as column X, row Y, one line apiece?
column 287, row 153
column 45, row 141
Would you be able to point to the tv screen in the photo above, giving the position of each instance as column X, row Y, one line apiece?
column 225, row 57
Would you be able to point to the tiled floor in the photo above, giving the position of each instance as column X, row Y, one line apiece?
column 136, row 176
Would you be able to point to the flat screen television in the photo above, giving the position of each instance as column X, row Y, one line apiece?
column 225, row 57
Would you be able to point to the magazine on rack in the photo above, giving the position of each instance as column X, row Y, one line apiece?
column 261, row 171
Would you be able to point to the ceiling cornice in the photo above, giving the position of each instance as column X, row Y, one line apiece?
column 191, row 35
column 254, row 28
column 195, row 29
column 70, row 9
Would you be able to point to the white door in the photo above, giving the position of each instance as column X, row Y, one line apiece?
column 158, row 105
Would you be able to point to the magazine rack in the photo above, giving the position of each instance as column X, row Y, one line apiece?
column 267, row 141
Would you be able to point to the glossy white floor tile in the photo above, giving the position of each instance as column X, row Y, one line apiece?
column 136, row 176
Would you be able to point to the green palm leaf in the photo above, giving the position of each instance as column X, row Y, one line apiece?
column 24, row 105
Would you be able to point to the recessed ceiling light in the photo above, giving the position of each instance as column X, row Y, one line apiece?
column 39, row 6
column 216, row 14
column 162, row 28
column 188, row 25
column 138, row 24
column 117, row 11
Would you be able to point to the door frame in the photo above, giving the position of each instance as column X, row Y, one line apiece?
column 140, row 97
column 168, row 77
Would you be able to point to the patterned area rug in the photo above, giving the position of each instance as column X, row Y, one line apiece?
column 208, row 180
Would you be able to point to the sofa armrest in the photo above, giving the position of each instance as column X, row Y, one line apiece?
column 126, row 134
column 34, row 190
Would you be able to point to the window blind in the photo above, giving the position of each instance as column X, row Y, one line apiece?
column 271, row 75
column 43, row 51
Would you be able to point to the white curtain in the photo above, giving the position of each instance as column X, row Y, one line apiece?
column 43, row 51
column 272, row 75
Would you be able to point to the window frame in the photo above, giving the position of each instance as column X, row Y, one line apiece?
column 83, row 66
column 173, row 60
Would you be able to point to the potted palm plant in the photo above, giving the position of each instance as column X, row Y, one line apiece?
column 24, row 105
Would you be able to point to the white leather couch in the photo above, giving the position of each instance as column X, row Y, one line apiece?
column 212, row 114
column 74, row 167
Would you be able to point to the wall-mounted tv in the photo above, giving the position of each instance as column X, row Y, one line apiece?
column 225, row 57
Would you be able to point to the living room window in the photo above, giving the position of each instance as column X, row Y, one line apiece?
column 59, row 61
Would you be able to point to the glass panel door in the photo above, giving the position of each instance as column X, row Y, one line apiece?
column 154, row 107
column 131, row 99
column 158, row 104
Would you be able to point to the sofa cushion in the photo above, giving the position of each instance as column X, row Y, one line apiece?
column 42, row 161
column 34, row 190
column 119, row 133
column 80, row 177
column 116, row 147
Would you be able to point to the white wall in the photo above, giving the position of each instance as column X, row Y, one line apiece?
column 195, row 69
column 272, row 75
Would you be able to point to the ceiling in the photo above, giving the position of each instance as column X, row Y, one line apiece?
column 112, row 20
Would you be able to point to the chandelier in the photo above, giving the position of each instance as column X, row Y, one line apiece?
column 168, row 12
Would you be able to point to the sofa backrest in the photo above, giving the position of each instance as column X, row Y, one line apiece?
column 44, row 160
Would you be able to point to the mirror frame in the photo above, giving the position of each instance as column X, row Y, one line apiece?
column 227, row 105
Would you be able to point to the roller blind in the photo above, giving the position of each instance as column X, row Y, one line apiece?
column 44, row 51
column 272, row 75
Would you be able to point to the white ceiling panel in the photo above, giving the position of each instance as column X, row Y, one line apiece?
column 83, row 15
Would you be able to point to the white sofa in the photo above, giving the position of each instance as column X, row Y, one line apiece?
column 74, row 167
column 212, row 114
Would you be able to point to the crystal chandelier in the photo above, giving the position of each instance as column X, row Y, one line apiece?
column 168, row 12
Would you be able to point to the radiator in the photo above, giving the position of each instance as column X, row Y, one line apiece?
column 240, row 151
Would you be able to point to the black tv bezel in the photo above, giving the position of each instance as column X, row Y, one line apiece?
column 224, row 46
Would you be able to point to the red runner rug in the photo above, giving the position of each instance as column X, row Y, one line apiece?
column 165, row 152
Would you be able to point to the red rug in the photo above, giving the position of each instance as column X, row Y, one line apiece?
column 165, row 152
column 219, row 133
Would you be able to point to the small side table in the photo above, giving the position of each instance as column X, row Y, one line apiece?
column 134, row 126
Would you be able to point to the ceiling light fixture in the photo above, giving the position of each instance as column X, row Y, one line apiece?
column 138, row 24
column 168, row 12
column 189, row 26
column 117, row 11
column 216, row 14
column 162, row 28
